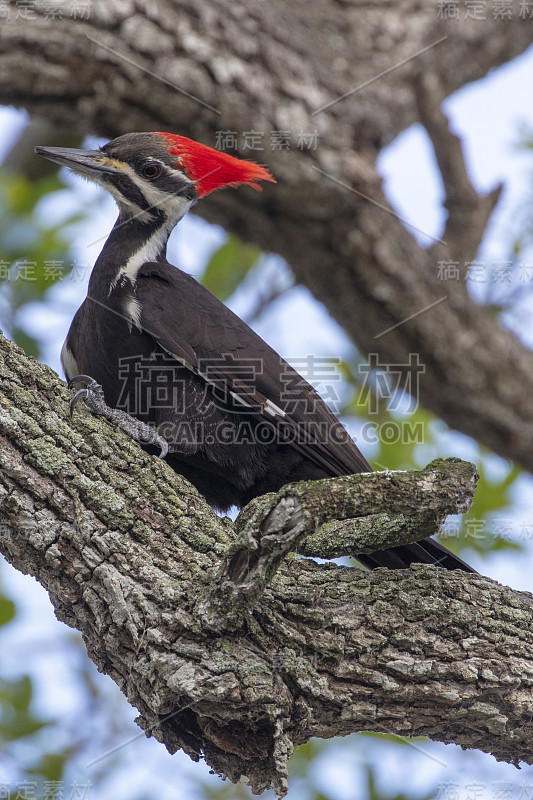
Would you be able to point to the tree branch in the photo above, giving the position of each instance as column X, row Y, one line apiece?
column 462, row 201
column 311, row 512
column 127, row 550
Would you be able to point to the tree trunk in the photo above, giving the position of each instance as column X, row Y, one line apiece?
column 355, row 72
column 230, row 649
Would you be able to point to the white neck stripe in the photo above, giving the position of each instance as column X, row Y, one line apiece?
column 147, row 252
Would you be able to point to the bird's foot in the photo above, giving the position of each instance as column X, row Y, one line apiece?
column 93, row 396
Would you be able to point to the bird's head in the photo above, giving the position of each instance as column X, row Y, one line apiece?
column 154, row 174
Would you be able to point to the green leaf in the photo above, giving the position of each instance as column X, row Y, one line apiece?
column 29, row 344
column 7, row 610
column 50, row 765
column 16, row 718
column 481, row 528
column 33, row 256
column 228, row 266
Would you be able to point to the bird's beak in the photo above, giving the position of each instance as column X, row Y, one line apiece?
column 90, row 163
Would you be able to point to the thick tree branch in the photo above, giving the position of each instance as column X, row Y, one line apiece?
column 346, row 537
column 127, row 549
column 312, row 513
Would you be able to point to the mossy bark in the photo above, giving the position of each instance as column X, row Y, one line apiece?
column 129, row 552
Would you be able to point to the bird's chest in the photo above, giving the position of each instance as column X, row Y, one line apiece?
column 119, row 317
column 105, row 336
column 137, row 375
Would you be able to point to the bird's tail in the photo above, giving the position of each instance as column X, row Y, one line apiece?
column 428, row 551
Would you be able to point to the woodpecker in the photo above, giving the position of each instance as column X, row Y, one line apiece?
column 150, row 343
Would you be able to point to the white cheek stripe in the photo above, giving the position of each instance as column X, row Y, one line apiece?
column 174, row 206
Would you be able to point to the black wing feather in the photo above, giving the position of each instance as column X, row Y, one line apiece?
column 202, row 329
column 211, row 339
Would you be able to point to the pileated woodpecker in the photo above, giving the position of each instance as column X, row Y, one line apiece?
column 237, row 419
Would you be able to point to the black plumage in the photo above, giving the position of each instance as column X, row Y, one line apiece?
column 238, row 419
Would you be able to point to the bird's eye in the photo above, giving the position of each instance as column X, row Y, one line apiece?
column 151, row 170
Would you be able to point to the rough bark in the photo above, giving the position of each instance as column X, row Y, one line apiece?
column 133, row 557
column 274, row 66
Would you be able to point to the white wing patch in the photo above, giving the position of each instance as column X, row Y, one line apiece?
column 258, row 399
column 132, row 310
column 274, row 410
column 68, row 362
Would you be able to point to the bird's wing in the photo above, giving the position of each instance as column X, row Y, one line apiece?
column 191, row 324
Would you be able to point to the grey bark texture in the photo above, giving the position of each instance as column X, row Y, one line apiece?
column 358, row 73
column 228, row 664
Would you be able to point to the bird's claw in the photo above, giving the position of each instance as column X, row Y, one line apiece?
column 93, row 395
column 82, row 393
column 81, row 379
column 93, row 388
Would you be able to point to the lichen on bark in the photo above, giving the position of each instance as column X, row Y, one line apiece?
column 129, row 553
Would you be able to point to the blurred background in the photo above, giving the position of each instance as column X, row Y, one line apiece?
column 65, row 730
